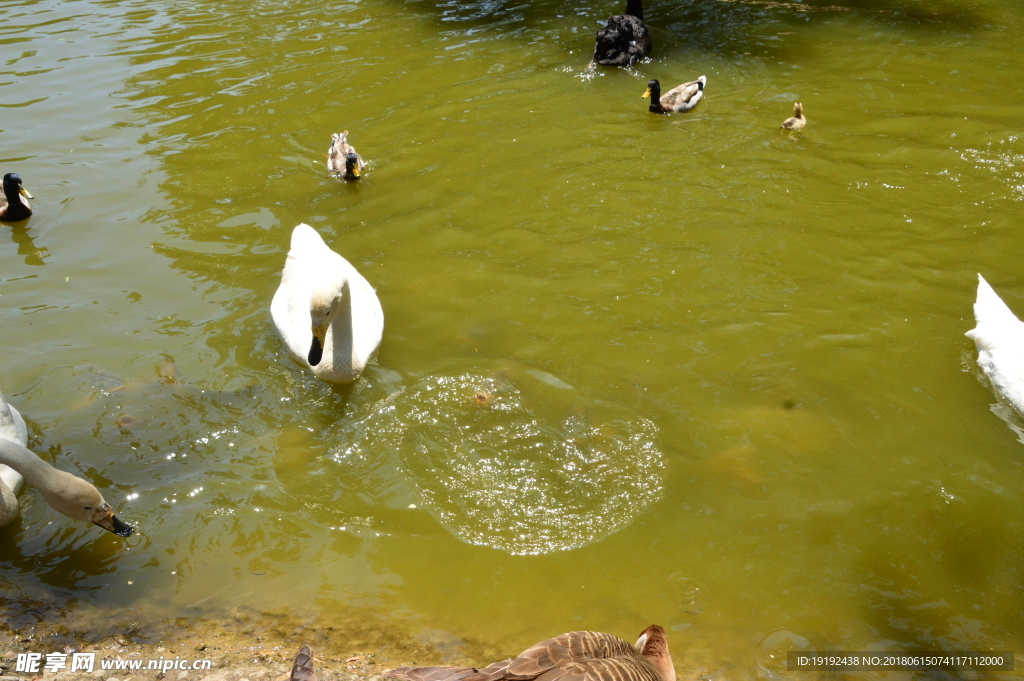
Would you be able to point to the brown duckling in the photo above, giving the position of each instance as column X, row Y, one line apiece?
column 342, row 158
column 678, row 99
column 797, row 120
column 13, row 208
column 303, row 669
column 577, row 655
column 624, row 38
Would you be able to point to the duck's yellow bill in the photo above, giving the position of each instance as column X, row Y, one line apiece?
column 646, row 94
column 24, row 192
column 356, row 172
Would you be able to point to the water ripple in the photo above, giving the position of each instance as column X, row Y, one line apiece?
column 496, row 473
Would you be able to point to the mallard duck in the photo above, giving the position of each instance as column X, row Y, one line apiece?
column 342, row 158
column 575, row 656
column 797, row 120
column 303, row 669
column 678, row 99
column 326, row 312
column 624, row 38
column 64, row 492
column 999, row 337
column 13, row 208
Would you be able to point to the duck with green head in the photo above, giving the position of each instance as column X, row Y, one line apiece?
column 14, row 208
column 342, row 158
column 677, row 100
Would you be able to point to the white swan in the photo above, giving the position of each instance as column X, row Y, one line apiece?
column 12, row 428
column 326, row 312
column 999, row 337
column 64, row 492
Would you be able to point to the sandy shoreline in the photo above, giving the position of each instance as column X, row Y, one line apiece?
column 245, row 646
column 249, row 646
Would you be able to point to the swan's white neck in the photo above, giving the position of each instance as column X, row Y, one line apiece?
column 12, row 454
column 36, row 472
column 341, row 314
column 339, row 342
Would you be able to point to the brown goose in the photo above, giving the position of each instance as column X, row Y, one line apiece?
column 797, row 120
column 342, row 158
column 303, row 669
column 575, row 656
column 12, row 207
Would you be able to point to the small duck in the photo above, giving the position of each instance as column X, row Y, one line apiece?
column 797, row 120
column 342, row 158
column 624, row 38
column 678, row 99
column 303, row 669
column 577, row 655
column 12, row 207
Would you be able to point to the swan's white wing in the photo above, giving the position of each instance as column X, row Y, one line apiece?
column 12, row 427
column 290, row 307
column 999, row 337
column 367, row 317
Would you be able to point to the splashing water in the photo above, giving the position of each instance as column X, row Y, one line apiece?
column 497, row 474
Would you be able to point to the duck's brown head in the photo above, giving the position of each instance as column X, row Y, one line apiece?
column 653, row 645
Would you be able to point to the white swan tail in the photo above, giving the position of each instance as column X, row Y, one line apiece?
column 999, row 337
column 997, row 326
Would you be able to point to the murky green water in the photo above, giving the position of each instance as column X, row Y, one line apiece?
column 727, row 385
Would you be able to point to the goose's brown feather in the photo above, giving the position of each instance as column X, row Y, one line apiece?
column 574, row 656
column 432, row 673
column 442, row 673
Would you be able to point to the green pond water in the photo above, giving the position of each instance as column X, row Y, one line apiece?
column 725, row 383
